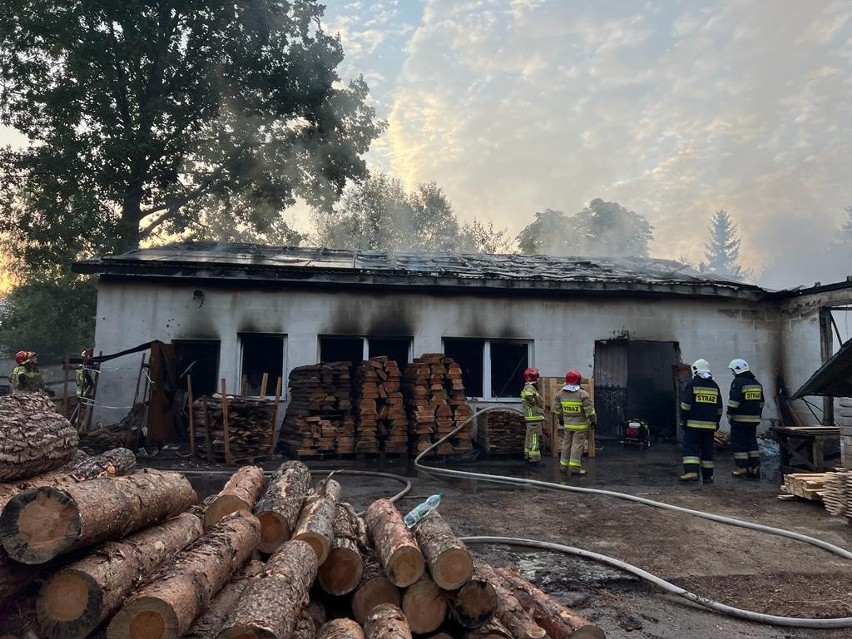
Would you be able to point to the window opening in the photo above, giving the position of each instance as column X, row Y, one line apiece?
column 200, row 360
column 262, row 353
column 469, row 354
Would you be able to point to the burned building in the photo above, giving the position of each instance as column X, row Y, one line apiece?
column 239, row 311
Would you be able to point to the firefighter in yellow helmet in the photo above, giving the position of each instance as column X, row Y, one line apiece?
column 700, row 413
column 577, row 415
column 533, row 404
column 25, row 377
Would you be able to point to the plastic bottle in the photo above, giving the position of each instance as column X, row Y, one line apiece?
column 421, row 510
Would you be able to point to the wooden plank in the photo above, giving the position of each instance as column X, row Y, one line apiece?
column 225, row 422
column 191, row 415
column 275, row 415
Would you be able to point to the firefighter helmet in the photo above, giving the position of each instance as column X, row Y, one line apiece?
column 738, row 366
column 531, row 375
column 700, row 366
column 573, row 377
column 21, row 357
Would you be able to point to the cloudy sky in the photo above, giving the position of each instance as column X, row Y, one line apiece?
column 674, row 109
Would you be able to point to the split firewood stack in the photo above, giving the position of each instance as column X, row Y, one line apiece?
column 319, row 416
column 248, row 421
column 434, row 397
column 500, row 432
column 381, row 422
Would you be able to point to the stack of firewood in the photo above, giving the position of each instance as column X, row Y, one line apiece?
column 836, row 495
column 500, row 432
column 263, row 558
column 380, row 420
column 248, row 421
column 434, row 397
column 319, row 416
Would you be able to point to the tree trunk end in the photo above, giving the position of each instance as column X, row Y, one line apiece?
column 274, row 531
column 144, row 618
column 341, row 572
column 68, row 605
column 425, row 606
column 38, row 525
column 452, row 568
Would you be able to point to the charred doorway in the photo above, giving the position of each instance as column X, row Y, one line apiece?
column 635, row 379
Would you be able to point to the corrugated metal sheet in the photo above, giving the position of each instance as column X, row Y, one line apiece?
column 833, row 379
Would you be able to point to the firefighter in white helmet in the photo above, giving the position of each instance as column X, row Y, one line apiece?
column 700, row 413
column 745, row 407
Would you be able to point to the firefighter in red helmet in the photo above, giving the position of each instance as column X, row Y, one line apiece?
column 577, row 415
column 533, row 416
column 25, row 377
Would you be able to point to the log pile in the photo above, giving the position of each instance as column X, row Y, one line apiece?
column 501, row 432
column 380, row 420
column 233, row 429
column 434, row 396
column 319, row 416
column 836, row 494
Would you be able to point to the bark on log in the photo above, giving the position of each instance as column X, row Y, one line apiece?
column 395, row 544
column 40, row 524
column 341, row 572
column 446, row 556
column 375, row 588
column 305, row 628
column 79, row 597
column 558, row 620
column 115, row 463
column 316, row 521
column 510, row 612
column 273, row 601
column 475, row 603
column 278, row 509
column 491, row 630
column 240, row 493
column 341, row 629
column 424, row 605
column 208, row 625
column 386, row 621
column 34, row 438
column 167, row 607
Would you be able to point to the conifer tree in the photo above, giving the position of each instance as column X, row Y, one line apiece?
column 723, row 248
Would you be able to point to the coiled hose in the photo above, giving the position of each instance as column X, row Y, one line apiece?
column 797, row 622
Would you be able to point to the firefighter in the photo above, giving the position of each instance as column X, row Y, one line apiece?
column 576, row 415
column 533, row 415
column 82, row 376
column 25, row 377
column 745, row 406
column 700, row 414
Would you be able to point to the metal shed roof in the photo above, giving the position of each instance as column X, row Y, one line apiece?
column 834, row 378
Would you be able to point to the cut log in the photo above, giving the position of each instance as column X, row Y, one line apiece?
column 75, row 600
column 424, row 605
column 34, row 438
column 115, row 463
column 475, row 603
column 491, row 630
column 510, row 612
column 273, row 601
column 341, row 572
column 240, row 493
column 305, row 628
column 278, row 509
column 341, row 629
column 395, row 544
column 208, row 625
column 446, row 555
column 316, row 521
column 386, row 621
column 40, row 524
column 558, row 620
column 375, row 588
column 167, row 607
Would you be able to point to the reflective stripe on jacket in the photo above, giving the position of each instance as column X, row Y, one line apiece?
column 575, row 408
column 701, row 404
column 26, row 379
column 745, row 400
column 533, row 403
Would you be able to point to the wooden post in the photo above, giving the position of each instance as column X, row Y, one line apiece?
column 208, row 440
column 275, row 415
column 263, row 382
column 191, row 415
column 65, row 368
column 89, row 406
column 225, row 422
column 589, row 384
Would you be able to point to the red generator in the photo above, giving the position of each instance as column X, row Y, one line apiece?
column 636, row 433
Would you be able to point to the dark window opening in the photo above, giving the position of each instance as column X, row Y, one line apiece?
column 341, row 349
column 198, row 360
column 508, row 361
column 394, row 348
column 262, row 353
column 468, row 353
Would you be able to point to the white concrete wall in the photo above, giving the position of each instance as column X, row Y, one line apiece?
column 563, row 330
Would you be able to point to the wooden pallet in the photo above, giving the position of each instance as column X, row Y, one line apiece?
column 805, row 485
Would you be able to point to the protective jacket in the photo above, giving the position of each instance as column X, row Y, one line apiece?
column 533, row 403
column 745, row 400
column 26, row 379
column 575, row 408
column 701, row 404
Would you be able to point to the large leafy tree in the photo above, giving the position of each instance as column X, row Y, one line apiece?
column 723, row 248
column 602, row 229
column 135, row 110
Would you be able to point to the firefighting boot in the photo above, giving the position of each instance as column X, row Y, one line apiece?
column 688, row 477
column 739, row 472
column 707, row 480
column 578, row 471
column 754, row 473
column 564, row 470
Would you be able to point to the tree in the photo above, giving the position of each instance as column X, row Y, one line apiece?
column 477, row 237
column 723, row 248
column 136, row 109
column 601, row 228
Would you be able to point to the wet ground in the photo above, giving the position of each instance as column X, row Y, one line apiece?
column 742, row 568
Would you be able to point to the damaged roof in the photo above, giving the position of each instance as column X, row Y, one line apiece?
column 834, row 378
column 322, row 266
